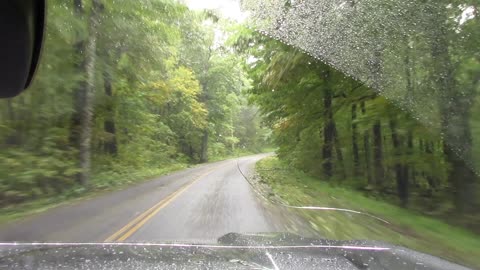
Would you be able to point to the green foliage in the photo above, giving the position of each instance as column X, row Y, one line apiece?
column 368, row 135
column 50, row 170
column 161, row 81
column 407, row 228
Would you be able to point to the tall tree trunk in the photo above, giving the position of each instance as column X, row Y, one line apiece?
column 338, row 152
column 232, row 130
column 356, row 155
column 401, row 170
column 191, row 151
column 432, row 181
column 375, row 66
column 455, row 116
column 204, row 98
column 87, row 110
column 79, row 91
column 328, row 131
column 110, row 146
column 411, row 150
column 410, row 76
column 379, row 172
column 204, row 147
column 366, row 148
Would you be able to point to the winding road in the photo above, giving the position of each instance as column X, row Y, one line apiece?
column 196, row 205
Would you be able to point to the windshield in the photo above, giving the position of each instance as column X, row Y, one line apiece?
column 162, row 121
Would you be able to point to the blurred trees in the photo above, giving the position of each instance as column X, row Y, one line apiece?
column 401, row 124
column 390, row 108
column 124, row 87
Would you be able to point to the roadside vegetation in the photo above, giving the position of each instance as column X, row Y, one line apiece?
column 383, row 117
column 407, row 228
column 402, row 126
column 376, row 117
column 125, row 91
column 101, row 183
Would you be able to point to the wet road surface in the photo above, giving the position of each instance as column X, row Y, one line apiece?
column 199, row 204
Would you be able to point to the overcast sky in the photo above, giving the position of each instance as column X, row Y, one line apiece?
column 228, row 8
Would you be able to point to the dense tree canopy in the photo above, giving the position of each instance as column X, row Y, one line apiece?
column 377, row 95
column 124, row 87
column 379, row 100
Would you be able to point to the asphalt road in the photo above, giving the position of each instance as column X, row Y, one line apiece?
column 197, row 205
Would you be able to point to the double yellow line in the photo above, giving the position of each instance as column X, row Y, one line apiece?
column 134, row 225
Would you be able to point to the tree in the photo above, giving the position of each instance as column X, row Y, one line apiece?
column 415, row 59
column 119, row 93
column 87, row 109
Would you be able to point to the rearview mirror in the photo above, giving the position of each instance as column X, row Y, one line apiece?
column 22, row 24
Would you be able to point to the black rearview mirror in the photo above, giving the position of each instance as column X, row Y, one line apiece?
column 22, row 24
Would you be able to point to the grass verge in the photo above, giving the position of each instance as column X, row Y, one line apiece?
column 405, row 227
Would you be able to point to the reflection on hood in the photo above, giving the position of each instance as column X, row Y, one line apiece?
column 233, row 251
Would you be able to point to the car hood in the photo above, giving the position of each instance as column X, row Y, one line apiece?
column 231, row 251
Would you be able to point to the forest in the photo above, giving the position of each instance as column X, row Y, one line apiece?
column 389, row 109
column 124, row 90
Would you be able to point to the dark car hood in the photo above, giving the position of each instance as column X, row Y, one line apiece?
column 232, row 251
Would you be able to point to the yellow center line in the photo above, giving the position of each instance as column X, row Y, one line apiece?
column 134, row 225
